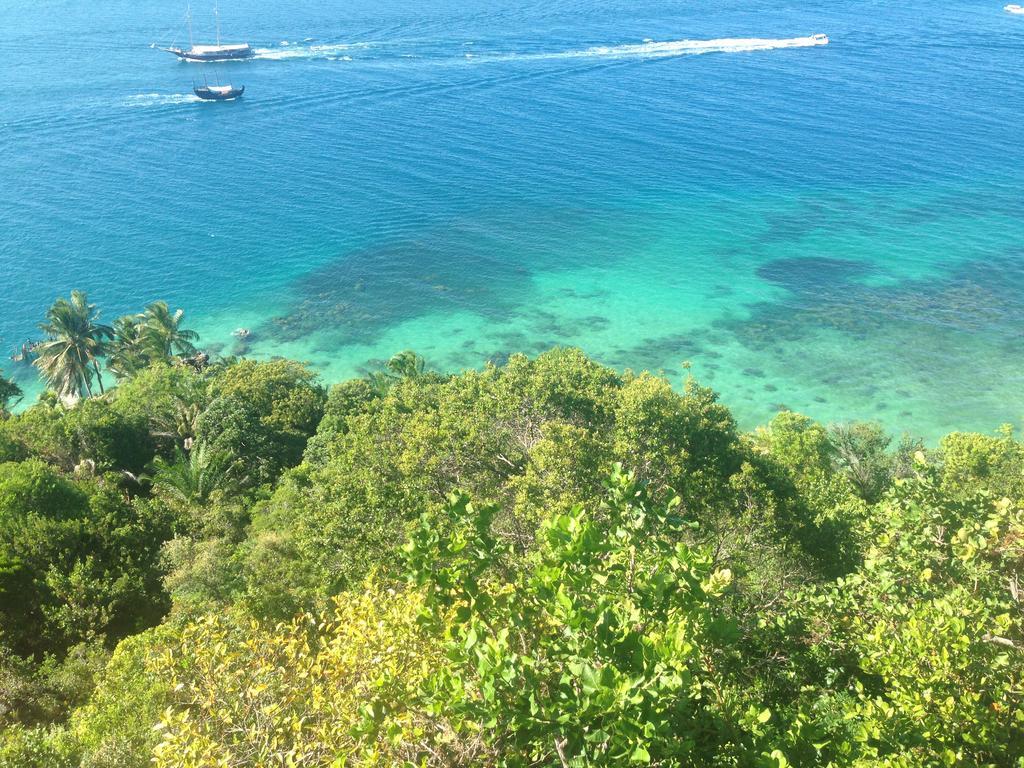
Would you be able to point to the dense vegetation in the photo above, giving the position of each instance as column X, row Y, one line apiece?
column 543, row 563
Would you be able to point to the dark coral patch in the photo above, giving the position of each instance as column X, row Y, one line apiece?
column 654, row 353
column 812, row 273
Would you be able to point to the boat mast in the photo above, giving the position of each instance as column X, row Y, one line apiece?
column 188, row 18
column 216, row 13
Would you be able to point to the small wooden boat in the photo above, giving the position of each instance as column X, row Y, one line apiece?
column 218, row 92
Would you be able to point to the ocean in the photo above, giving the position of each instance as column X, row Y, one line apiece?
column 836, row 229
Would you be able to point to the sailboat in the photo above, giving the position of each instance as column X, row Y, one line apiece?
column 218, row 52
column 209, row 92
column 216, row 92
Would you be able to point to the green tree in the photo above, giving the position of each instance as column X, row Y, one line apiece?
column 344, row 400
column 41, row 527
column 153, row 336
column 861, row 453
column 401, row 366
column 93, row 436
column 75, row 342
column 232, row 426
column 162, row 335
column 169, row 400
column 39, row 747
column 78, row 561
column 814, row 597
column 596, row 653
column 919, row 652
column 10, row 394
column 262, row 414
column 972, row 463
column 533, row 437
column 32, row 693
column 39, row 432
column 117, row 727
column 301, row 692
column 823, row 506
column 190, row 480
column 125, row 353
column 407, row 365
column 107, row 439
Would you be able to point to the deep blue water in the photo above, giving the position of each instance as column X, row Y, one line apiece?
column 834, row 228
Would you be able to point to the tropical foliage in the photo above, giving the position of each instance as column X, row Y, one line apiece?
column 10, row 394
column 594, row 652
column 543, row 563
column 155, row 335
column 74, row 343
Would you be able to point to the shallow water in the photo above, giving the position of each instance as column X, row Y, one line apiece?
column 832, row 228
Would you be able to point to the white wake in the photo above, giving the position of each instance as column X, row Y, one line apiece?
column 651, row 49
column 648, row 49
column 160, row 99
column 291, row 51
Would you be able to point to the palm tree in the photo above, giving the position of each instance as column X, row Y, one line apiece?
column 162, row 334
column 402, row 366
column 380, row 382
column 125, row 355
column 178, row 423
column 407, row 365
column 192, row 479
column 75, row 342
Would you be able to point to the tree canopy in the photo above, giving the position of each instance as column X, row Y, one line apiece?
column 542, row 563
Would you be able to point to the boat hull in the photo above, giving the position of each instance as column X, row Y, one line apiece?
column 207, row 94
column 201, row 56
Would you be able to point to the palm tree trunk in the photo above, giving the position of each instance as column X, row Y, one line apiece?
column 85, row 374
column 99, row 376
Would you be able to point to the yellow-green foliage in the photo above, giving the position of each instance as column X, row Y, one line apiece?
column 871, row 617
column 933, row 619
column 39, row 747
column 596, row 654
column 116, row 728
column 973, row 462
column 298, row 693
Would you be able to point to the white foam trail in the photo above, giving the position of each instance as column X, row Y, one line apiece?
column 649, row 49
column 308, row 51
column 654, row 50
column 160, row 99
column 1014, row 9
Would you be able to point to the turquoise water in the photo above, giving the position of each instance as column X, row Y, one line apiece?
column 837, row 229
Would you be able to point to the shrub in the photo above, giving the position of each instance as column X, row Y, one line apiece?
column 117, row 728
column 594, row 654
column 308, row 692
column 930, row 631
